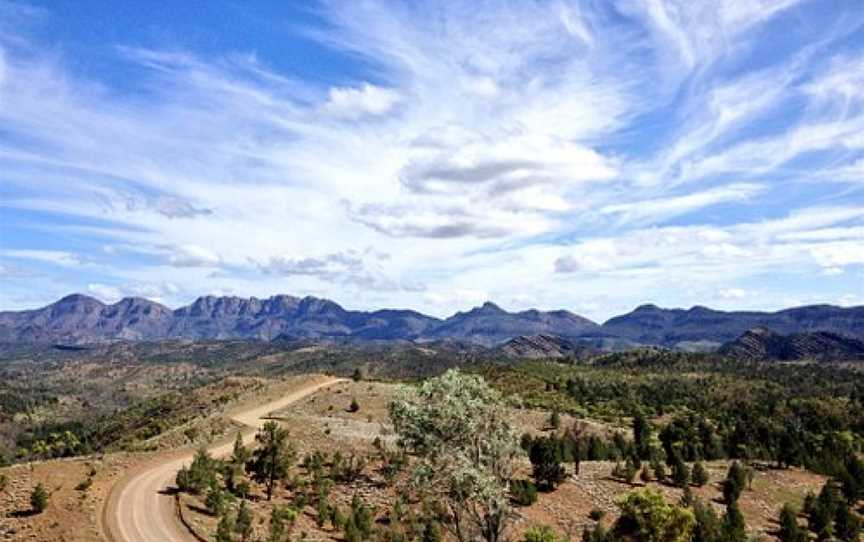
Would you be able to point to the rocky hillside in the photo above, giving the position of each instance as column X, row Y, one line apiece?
column 649, row 324
column 546, row 347
column 79, row 319
column 762, row 344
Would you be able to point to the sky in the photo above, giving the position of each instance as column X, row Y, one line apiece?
column 586, row 155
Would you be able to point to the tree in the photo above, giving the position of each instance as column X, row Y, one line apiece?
column 354, row 406
column 225, row 529
column 680, row 472
column 847, row 526
column 736, row 478
column 200, row 475
column 39, row 499
column 555, row 420
column 243, row 524
column 431, row 532
column 281, row 520
column 273, row 456
column 217, row 501
column 358, row 525
column 539, row 533
column 707, row 527
column 647, row 517
column 240, row 454
column 597, row 534
column 790, row 531
column 645, row 474
column 466, row 450
column 733, row 529
column 700, row 474
column 659, row 470
column 630, row 470
column 642, row 436
column 824, row 509
column 545, row 456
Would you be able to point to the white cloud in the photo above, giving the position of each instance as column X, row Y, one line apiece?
column 741, row 249
column 55, row 257
column 482, row 161
column 105, row 292
column 354, row 103
column 733, row 293
column 673, row 206
column 154, row 292
column 192, row 256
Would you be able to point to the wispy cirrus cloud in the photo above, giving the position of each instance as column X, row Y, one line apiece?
column 566, row 143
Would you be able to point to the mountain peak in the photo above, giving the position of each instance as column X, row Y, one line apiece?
column 78, row 298
column 488, row 306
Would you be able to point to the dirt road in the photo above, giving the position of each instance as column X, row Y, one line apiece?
column 139, row 509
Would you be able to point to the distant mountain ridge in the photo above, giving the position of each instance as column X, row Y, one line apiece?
column 762, row 344
column 80, row 319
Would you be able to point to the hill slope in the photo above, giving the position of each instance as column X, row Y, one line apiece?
column 649, row 324
column 761, row 344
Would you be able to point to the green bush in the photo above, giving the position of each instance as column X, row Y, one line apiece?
column 523, row 492
column 39, row 499
column 539, row 533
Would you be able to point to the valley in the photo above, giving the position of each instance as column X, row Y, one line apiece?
column 155, row 404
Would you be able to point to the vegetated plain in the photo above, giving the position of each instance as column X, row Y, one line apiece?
column 588, row 432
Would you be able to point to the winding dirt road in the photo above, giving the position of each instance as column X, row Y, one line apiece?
column 139, row 507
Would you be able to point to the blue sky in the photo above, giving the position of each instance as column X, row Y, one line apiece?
column 583, row 155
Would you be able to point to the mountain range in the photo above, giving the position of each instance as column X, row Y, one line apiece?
column 80, row 319
column 762, row 344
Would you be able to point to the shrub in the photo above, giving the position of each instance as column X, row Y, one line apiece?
column 597, row 534
column 700, row 474
column 790, row 531
column 225, row 529
column 680, row 473
column 545, row 456
column 355, row 406
column 84, row 484
column 555, row 420
column 39, row 499
column 659, row 470
column 646, row 516
column 523, row 492
column 431, row 532
column 539, row 533
column 243, row 524
column 596, row 514
column 645, row 474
